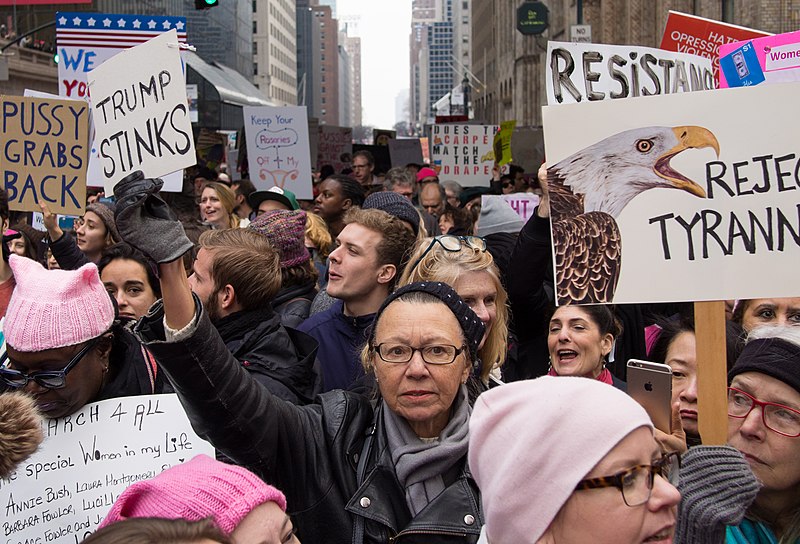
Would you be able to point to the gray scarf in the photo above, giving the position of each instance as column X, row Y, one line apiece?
column 419, row 465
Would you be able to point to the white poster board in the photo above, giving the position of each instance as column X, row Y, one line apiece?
column 62, row 493
column 523, row 204
column 581, row 72
column 87, row 40
column 693, row 224
column 141, row 113
column 464, row 153
column 278, row 153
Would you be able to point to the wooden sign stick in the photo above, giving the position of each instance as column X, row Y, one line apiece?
column 712, row 380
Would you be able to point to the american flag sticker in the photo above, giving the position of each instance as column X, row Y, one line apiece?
column 106, row 30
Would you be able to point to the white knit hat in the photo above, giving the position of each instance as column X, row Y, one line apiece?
column 531, row 442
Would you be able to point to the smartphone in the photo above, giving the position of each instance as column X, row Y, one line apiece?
column 650, row 384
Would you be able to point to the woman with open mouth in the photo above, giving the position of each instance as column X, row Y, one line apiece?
column 580, row 339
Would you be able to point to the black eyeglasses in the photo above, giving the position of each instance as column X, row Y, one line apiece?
column 434, row 354
column 452, row 243
column 636, row 483
column 49, row 379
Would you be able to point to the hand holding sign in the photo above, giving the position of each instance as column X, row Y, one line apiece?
column 140, row 111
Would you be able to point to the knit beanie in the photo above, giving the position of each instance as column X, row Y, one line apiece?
column 426, row 172
column 497, row 215
column 106, row 214
column 774, row 357
column 717, row 487
column 471, row 325
column 195, row 490
column 286, row 231
column 55, row 308
column 531, row 442
column 394, row 204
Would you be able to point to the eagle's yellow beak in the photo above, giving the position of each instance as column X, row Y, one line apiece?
column 689, row 137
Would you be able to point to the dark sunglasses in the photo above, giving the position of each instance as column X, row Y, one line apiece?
column 49, row 379
column 453, row 244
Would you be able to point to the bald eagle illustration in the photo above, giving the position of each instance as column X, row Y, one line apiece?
column 588, row 191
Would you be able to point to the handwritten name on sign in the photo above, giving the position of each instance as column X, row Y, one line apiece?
column 62, row 493
column 140, row 111
column 44, row 153
column 464, row 152
column 578, row 72
column 680, row 197
column 278, row 148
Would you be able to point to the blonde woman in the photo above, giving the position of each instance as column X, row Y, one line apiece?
column 464, row 263
column 217, row 202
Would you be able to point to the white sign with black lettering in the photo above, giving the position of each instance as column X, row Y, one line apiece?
column 587, row 72
column 62, row 493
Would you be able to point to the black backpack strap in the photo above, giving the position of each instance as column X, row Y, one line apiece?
column 361, row 472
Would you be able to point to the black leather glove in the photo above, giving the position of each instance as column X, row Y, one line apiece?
column 146, row 222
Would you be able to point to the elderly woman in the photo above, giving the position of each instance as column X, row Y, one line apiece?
column 62, row 345
column 588, row 470
column 764, row 424
column 464, row 263
column 353, row 468
column 217, row 202
column 579, row 341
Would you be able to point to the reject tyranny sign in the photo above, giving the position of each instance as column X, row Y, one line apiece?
column 62, row 493
column 44, row 153
column 578, row 72
column 669, row 198
column 140, row 111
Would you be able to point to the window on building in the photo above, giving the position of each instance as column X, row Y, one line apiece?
column 323, row 89
column 255, row 68
column 254, row 5
column 323, row 99
column 255, row 27
column 255, row 48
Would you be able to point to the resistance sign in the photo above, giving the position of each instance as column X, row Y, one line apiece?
column 44, row 153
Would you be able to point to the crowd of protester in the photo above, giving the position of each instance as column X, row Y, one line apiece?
column 385, row 363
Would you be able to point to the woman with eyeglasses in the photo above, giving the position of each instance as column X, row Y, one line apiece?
column 588, row 470
column 764, row 424
column 464, row 263
column 62, row 345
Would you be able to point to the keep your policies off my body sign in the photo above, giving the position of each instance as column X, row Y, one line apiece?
column 140, row 111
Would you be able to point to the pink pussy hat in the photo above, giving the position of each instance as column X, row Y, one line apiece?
column 531, row 442
column 195, row 490
column 55, row 308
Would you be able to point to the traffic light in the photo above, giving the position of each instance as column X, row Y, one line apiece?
column 205, row 4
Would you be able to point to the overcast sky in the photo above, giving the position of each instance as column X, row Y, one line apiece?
column 384, row 27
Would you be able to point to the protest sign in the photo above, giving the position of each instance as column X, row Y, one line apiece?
column 382, row 136
column 333, row 145
column 523, row 204
column 464, row 152
column 690, row 201
column 62, row 493
column 44, row 153
column 771, row 59
column 277, row 148
column 502, row 143
column 695, row 35
column 141, row 113
column 87, row 40
column 405, row 151
column 579, row 72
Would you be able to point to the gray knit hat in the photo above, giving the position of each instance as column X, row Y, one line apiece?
column 106, row 214
column 394, row 204
column 497, row 215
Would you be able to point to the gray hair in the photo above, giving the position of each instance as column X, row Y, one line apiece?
column 454, row 186
column 789, row 333
column 397, row 176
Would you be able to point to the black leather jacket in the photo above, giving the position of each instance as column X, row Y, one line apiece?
column 309, row 452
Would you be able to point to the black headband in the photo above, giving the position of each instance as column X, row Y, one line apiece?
column 471, row 325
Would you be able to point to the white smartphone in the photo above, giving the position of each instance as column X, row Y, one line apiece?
column 650, row 384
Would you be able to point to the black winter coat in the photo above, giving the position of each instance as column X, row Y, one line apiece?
column 281, row 359
column 293, row 303
column 309, row 452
